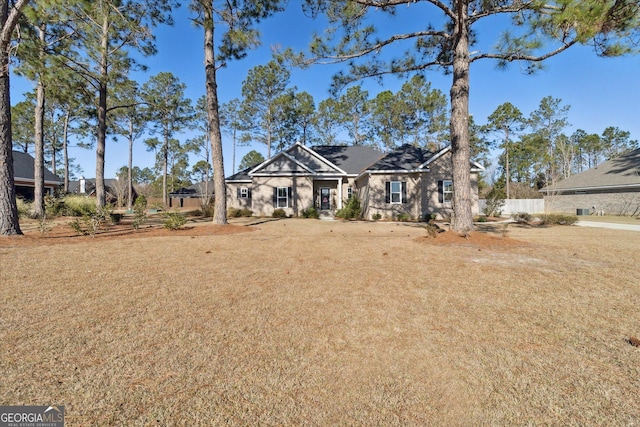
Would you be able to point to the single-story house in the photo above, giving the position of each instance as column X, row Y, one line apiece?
column 408, row 181
column 612, row 187
column 191, row 196
column 24, row 176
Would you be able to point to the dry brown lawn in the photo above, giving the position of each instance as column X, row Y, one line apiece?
column 306, row 322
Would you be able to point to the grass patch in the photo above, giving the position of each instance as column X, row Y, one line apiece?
column 346, row 323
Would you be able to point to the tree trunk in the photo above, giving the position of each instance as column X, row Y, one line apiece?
column 38, row 164
column 165, row 167
column 130, row 167
column 65, row 149
column 102, row 113
column 9, row 224
column 220, row 189
column 506, row 152
column 462, row 221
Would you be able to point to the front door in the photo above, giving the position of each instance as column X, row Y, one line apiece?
column 325, row 193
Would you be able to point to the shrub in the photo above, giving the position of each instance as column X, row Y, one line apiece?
column 495, row 203
column 311, row 212
column 279, row 213
column 351, row 209
column 139, row 212
column 558, row 219
column 430, row 217
column 376, row 216
column 481, row 219
column 54, row 206
column 78, row 206
column 173, row 220
column 91, row 223
column 403, row 217
column 237, row 213
column 24, row 207
column 521, row 217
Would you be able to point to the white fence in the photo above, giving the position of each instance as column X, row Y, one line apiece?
column 517, row 205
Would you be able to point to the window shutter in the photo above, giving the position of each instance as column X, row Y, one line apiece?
column 440, row 192
column 387, row 192
column 290, row 199
column 275, row 197
column 404, row 192
column 248, row 193
column 238, row 192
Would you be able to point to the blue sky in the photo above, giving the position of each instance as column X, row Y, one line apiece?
column 601, row 92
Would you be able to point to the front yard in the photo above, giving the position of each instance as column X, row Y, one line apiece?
column 307, row 322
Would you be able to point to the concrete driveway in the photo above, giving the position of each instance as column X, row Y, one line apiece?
column 631, row 227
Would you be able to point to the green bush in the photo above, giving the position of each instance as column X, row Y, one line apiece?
column 77, row 206
column 403, row 217
column 279, row 213
column 237, row 213
column 351, row 209
column 558, row 219
column 91, row 223
column 24, row 208
column 481, row 219
column 139, row 212
column 521, row 217
column 376, row 216
column 311, row 212
column 173, row 220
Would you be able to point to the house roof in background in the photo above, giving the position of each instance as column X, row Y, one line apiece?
column 621, row 172
column 89, row 185
column 23, row 168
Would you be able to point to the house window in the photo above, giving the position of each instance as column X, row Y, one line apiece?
column 282, row 198
column 244, row 193
column 395, row 192
column 349, row 192
column 445, row 191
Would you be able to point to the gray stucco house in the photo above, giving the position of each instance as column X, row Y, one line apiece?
column 612, row 187
column 408, row 180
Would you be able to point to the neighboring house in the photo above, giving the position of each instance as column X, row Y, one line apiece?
column 408, row 181
column 612, row 187
column 23, row 175
column 87, row 186
column 191, row 196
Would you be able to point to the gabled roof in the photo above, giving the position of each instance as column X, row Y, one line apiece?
column 352, row 159
column 90, row 185
column 242, row 175
column 404, row 158
column 23, row 168
column 619, row 173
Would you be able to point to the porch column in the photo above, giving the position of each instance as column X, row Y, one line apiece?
column 340, row 193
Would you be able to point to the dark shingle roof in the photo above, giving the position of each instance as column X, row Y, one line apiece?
column 23, row 167
column 623, row 171
column 351, row 159
column 242, row 175
column 405, row 157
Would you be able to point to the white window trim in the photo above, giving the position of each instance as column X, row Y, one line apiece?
column 445, row 192
column 285, row 198
column 399, row 192
column 244, row 193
